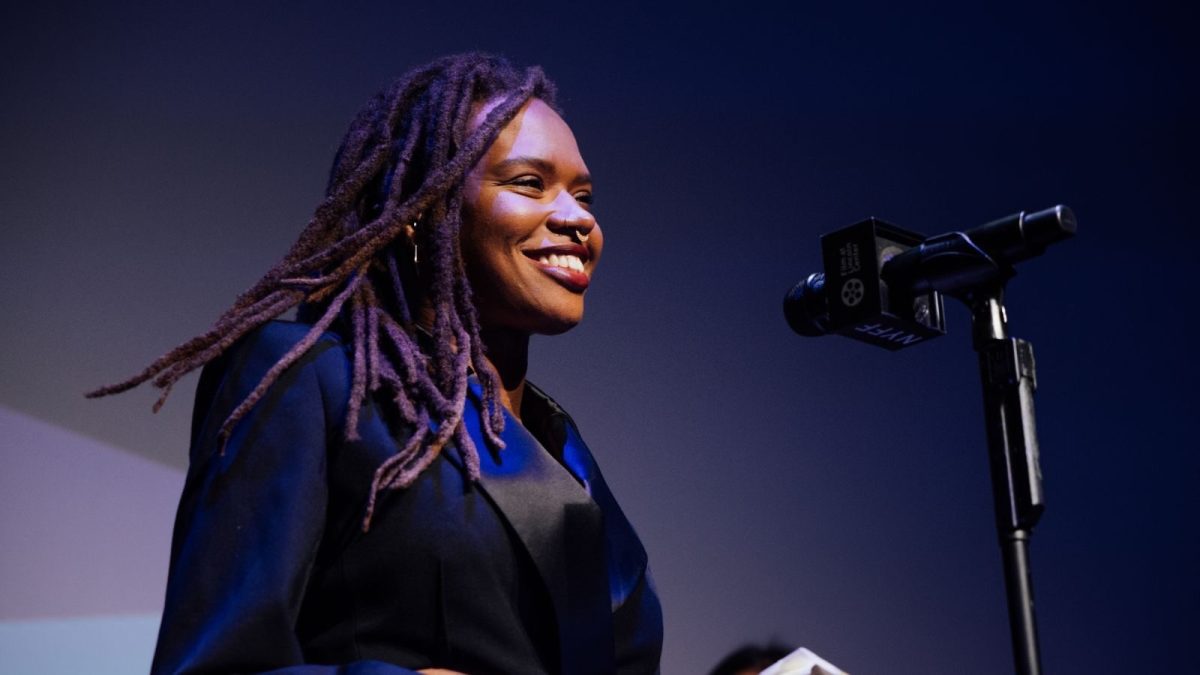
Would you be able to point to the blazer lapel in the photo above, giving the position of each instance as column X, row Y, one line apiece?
column 625, row 555
column 562, row 529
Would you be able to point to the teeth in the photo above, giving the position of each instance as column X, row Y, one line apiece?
column 570, row 262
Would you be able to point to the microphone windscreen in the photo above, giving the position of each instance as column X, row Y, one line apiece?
column 805, row 306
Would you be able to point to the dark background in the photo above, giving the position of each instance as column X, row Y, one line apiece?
column 158, row 158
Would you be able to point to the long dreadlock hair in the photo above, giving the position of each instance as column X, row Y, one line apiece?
column 402, row 161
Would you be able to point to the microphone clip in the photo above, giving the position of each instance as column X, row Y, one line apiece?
column 861, row 303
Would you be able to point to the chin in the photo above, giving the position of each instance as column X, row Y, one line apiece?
column 556, row 324
column 542, row 321
column 557, row 329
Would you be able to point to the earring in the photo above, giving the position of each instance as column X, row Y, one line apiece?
column 416, row 259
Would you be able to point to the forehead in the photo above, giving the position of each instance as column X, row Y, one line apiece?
column 536, row 132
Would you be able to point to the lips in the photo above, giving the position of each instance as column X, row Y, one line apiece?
column 564, row 263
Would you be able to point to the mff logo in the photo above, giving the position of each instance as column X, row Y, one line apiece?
column 890, row 334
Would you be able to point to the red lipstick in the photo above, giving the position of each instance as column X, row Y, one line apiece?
column 573, row 280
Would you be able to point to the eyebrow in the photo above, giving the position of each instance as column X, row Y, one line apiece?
column 538, row 163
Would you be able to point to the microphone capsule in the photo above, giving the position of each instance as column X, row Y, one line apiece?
column 805, row 306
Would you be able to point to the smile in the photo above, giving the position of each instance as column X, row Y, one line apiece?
column 570, row 262
column 564, row 264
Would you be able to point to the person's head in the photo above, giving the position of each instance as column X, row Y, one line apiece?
column 485, row 199
column 457, row 202
column 405, row 163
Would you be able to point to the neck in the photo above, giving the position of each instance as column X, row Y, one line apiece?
column 507, row 352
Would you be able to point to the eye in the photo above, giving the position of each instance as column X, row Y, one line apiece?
column 528, row 181
column 585, row 197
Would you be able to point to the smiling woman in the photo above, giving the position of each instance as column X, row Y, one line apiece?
column 530, row 240
column 375, row 488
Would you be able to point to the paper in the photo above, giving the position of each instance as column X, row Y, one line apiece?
column 803, row 662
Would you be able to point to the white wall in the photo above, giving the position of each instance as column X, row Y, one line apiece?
column 84, row 559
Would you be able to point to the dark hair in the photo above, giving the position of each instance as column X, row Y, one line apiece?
column 750, row 657
column 401, row 162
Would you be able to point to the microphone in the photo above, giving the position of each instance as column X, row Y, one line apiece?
column 805, row 307
column 883, row 285
column 957, row 262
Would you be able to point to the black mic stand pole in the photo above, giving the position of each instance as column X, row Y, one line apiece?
column 955, row 264
column 1006, row 366
column 974, row 267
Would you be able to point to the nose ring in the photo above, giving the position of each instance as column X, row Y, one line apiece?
column 583, row 236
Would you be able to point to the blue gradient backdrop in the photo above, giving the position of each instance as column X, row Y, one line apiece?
column 158, row 156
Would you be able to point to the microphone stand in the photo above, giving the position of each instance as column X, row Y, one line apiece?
column 974, row 267
column 956, row 265
column 1006, row 366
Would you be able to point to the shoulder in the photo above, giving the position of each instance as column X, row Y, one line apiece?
column 255, row 353
column 321, row 370
column 274, row 339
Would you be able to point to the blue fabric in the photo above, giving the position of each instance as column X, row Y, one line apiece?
column 532, row 570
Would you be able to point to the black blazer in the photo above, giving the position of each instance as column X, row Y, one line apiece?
column 532, row 570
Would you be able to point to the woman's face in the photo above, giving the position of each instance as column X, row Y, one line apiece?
column 529, row 239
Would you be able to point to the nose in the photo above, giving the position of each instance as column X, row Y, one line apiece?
column 569, row 214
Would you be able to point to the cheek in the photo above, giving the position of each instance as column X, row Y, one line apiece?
column 492, row 224
column 490, row 257
column 486, row 252
column 509, row 217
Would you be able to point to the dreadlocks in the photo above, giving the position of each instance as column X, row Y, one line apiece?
column 400, row 165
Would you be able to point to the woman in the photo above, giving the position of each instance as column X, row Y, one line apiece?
column 376, row 488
